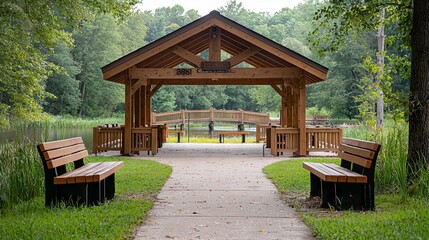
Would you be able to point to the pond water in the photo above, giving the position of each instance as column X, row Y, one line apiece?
column 55, row 133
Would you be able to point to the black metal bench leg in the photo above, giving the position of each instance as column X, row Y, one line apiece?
column 328, row 195
column 110, row 186
column 95, row 192
column 315, row 186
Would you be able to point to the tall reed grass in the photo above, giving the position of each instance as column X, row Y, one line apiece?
column 391, row 169
column 21, row 173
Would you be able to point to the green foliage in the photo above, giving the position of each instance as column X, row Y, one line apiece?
column 30, row 29
column 163, row 101
column 96, row 45
column 136, row 185
column 63, row 86
column 21, row 173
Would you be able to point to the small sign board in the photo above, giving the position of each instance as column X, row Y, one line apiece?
column 215, row 66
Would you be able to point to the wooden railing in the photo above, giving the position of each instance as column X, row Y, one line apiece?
column 112, row 139
column 261, row 132
column 284, row 140
column 210, row 115
column 144, row 139
column 323, row 139
column 107, row 139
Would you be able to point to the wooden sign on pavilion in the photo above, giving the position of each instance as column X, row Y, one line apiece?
column 147, row 69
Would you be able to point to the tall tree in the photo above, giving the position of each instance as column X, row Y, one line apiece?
column 418, row 149
column 30, row 30
column 380, row 64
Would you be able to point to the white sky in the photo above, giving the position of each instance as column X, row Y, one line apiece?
column 206, row 6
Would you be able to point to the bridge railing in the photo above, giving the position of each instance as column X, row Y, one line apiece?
column 210, row 115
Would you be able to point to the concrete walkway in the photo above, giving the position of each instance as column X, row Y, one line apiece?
column 218, row 191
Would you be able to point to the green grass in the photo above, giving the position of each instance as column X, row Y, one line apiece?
column 136, row 185
column 21, row 173
column 69, row 121
column 395, row 217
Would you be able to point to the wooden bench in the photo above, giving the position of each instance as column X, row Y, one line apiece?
column 84, row 184
column 350, row 185
column 242, row 133
column 178, row 132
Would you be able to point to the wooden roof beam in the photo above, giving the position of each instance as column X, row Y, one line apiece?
column 273, row 50
column 214, row 45
column 236, row 73
column 137, row 85
column 155, row 89
column 242, row 56
column 191, row 58
column 279, row 91
column 211, row 82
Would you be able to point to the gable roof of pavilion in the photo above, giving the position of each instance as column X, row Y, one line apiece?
column 195, row 38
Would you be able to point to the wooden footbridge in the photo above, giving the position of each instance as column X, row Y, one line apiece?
column 211, row 115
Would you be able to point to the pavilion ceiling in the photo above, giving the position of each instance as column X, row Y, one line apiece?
column 242, row 44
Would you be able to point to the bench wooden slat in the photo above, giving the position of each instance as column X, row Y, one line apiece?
column 60, row 144
column 351, row 176
column 362, row 144
column 365, row 153
column 49, row 155
column 325, row 173
column 234, row 133
column 66, row 159
column 102, row 174
column 70, row 177
column 92, row 172
column 355, row 159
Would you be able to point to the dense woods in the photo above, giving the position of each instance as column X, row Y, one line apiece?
column 66, row 78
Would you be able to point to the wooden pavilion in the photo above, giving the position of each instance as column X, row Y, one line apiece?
column 177, row 59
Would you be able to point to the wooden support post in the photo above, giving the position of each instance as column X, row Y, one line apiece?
column 295, row 108
column 154, row 141
column 137, row 108
column 128, row 117
column 211, row 115
column 283, row 111
column 148, row 118
column 273, row 139
column 301, row 118
column 143, row 105
column 289, row 107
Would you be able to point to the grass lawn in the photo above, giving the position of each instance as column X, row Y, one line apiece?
column 395, row 217
column 136, row 186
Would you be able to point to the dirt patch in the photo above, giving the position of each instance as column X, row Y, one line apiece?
column 306, row 204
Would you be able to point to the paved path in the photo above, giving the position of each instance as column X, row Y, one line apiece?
column 218, row 191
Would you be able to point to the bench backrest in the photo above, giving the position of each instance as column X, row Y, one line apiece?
column 56, row 154
column 359, row 156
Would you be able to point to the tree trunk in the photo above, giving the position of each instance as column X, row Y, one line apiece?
column 418, row 148
column 380, row 64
